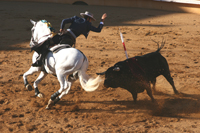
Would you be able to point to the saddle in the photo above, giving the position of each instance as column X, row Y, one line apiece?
column 58, row 47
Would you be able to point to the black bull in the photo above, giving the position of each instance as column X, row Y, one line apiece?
column 135, row 74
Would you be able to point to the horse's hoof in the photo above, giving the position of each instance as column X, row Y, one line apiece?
column 29, row 87
column 49, row 104
column 40, row 95
column 47, row 107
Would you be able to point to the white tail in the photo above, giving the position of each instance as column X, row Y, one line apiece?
column 88, row 83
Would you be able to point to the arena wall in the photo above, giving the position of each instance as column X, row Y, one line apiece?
column 150, row 4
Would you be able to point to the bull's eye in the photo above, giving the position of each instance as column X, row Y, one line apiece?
column 116, row 69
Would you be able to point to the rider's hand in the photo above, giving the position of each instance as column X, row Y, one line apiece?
column 61, row 30
column 103, row 17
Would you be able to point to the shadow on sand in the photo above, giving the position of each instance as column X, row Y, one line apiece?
column 176, row 106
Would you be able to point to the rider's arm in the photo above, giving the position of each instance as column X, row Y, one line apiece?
column 99, row 28
column 65, row 21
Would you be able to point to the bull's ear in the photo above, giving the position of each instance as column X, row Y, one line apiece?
column 33, row 22
column 116, row 69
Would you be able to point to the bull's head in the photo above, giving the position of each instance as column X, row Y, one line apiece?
column 115, row 76
column 114, row 69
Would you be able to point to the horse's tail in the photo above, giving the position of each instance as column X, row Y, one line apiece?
column 88, row 83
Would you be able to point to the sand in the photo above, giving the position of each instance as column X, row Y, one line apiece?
column 105, row 110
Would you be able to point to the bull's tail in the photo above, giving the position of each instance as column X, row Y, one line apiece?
column 159, row 46
column 88, row 83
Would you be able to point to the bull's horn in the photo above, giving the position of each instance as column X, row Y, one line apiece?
column 116, row 69
column 103, row 73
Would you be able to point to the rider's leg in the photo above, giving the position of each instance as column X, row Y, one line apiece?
column 66, row 39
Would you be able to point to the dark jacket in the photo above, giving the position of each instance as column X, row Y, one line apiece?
column 80, row 26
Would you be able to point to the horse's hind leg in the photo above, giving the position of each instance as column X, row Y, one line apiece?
column 37, row 81
column 71, row 79
column 63, row 85
column 29, row 72
column 63, row 93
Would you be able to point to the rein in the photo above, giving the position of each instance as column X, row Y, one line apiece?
column 44, row 36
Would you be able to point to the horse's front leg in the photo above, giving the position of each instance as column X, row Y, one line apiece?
column 37, row 81
column 29, row 72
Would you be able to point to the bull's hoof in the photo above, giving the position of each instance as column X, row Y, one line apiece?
column 29, row 87
column 153, row 101
column 176, row 92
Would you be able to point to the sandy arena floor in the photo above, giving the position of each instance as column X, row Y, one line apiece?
column 105, row 110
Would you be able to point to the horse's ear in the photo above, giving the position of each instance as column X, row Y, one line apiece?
column 33, row 22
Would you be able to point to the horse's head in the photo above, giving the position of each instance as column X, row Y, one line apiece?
column 41, row 31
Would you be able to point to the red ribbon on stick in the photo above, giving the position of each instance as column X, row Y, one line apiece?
column 123, row 43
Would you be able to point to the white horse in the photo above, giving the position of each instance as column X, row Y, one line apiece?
column 67, row 61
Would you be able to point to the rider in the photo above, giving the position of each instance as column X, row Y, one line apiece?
column 79, row 26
